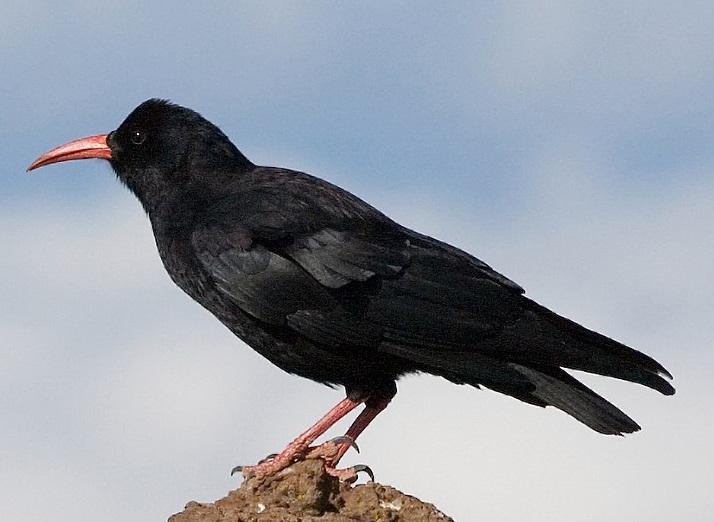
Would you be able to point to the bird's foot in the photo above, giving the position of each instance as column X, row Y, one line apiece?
column 350, row 474
column 268, row 465
column 330, row 451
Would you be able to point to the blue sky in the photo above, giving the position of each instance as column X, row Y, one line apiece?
column 568, row 144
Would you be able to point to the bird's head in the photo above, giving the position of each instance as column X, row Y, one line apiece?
column 160, row 145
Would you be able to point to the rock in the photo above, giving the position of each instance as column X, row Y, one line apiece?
column 304, row 492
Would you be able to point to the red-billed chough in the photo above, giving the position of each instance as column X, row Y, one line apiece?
column 327, row 287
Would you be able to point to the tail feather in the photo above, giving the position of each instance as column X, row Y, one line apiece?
column 527, row 358
column 542, row 338
column 557, row 388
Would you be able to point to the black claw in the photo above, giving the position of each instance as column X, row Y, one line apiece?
column 366, row 469
column 344, row 439
column 269, row 457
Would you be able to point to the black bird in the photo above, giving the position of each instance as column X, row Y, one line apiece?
column 327, row 287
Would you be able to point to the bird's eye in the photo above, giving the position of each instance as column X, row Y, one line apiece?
column 137, row 137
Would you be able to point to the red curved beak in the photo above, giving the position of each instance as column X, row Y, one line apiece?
column 90, row 147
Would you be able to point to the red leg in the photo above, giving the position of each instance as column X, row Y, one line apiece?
column 299, row 446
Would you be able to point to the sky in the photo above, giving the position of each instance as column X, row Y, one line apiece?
column 569, row 144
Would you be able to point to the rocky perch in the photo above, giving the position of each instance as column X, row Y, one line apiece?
column 304, row 492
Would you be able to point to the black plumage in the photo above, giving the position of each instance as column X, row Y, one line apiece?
column 327, row 287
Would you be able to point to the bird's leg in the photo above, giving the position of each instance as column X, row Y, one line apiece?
column 373, row 407
column 300, row 445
